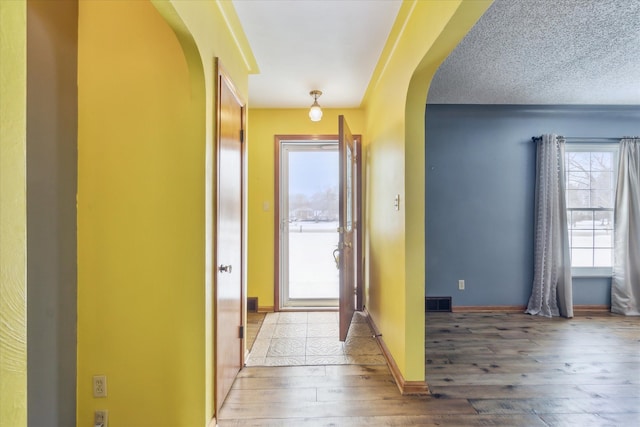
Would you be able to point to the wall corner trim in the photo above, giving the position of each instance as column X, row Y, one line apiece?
column 406, row 387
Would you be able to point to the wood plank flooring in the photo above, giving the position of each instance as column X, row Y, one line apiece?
column 254, row 323
column 482, row 369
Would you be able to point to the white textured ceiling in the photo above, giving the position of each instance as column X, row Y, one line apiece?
column 301, row 45
column 546, row 52
column 519, row 52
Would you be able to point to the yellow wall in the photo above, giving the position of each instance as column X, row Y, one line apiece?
column 13, row 220
column 211, row 29
column 264, row 124
column 424, row 33
column 145, row 218
column 140, row 220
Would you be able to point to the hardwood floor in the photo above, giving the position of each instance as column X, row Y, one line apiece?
column 482, row 369
column 583, row 371
column 254, row 323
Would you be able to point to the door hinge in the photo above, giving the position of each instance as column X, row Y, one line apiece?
column 241, row 332
column 241, row 135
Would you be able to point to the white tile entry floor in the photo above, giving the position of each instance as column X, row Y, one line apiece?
column 311, row 338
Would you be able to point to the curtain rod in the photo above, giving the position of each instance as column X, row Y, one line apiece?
column 586, row 138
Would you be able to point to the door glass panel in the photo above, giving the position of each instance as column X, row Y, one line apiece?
column 309, row 210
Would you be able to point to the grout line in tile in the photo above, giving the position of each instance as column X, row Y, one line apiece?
column 287, row 320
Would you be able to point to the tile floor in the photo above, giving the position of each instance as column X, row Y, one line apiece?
column 311, row 338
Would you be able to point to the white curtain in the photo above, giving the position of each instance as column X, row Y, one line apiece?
column 625, row 285
column 551, row 294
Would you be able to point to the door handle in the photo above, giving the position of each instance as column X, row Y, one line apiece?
column 336, row 257
column 224, row 268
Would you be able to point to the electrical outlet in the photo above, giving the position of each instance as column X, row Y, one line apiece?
column 461, row 285
column 101, row 418
column 99, row 386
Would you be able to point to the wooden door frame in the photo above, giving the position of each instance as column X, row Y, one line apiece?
column 277, row 139
column 220, row 74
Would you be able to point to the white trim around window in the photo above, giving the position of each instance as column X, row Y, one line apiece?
column 600, row 271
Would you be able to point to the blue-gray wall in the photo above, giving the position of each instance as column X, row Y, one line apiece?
column 480, row 181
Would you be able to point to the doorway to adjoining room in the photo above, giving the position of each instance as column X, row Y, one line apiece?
column 308, row 224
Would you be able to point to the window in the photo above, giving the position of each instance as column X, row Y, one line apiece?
column 591, row 171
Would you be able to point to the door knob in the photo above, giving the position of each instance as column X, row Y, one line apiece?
column 224, row 268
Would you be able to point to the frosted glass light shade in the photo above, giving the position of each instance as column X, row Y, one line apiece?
column 315, row 113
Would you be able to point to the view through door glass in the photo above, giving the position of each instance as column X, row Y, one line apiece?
column 309, row 209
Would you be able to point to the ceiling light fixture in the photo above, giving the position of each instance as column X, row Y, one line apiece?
column 315, row 113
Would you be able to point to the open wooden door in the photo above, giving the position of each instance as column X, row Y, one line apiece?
column 228, row 252
column 347, row 225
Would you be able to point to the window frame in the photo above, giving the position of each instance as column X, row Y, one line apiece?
column 589, row 147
